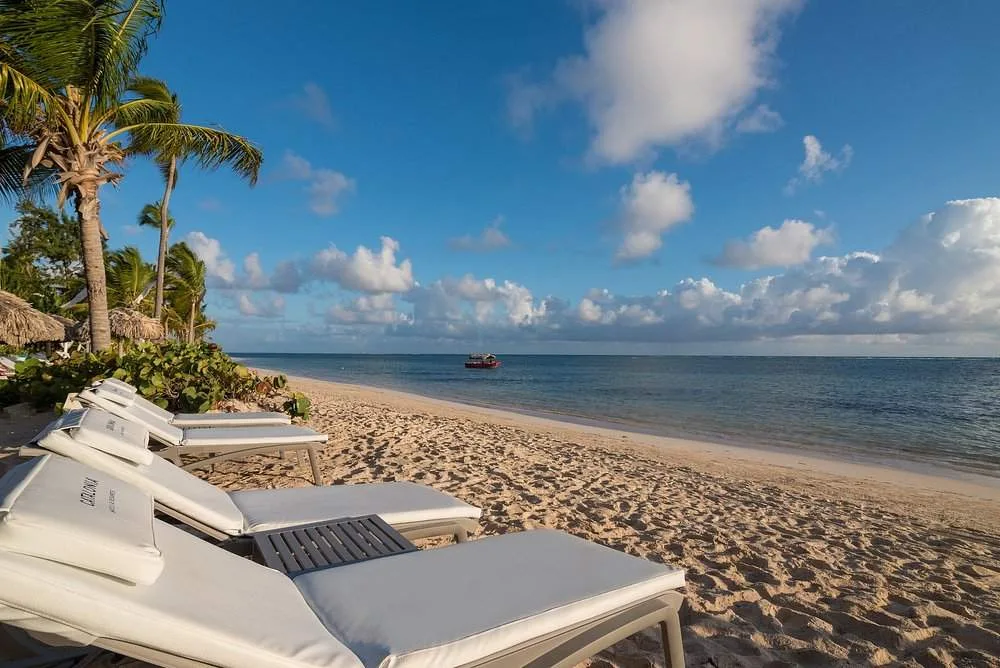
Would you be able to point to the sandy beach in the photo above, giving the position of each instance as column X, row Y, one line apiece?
column 790, row 560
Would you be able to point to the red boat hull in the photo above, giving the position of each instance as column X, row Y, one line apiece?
column 482, row 365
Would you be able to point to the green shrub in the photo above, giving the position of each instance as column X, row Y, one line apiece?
column 298, row 405
column 177, row 376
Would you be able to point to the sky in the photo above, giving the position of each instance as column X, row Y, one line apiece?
column 588, row 176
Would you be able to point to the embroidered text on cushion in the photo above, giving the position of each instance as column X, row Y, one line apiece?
column 63, row 511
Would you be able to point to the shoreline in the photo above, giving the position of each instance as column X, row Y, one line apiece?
column 905, row 473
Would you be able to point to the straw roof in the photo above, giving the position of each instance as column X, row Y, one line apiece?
column 127, row 323
column 21, row 323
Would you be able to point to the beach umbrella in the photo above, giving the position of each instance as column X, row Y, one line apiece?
column 128, row 323
column 21, row 323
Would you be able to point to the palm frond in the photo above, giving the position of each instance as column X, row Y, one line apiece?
column 208, row 147
column 142, row 110
column 43, row 40
column 40, row 183
column 149, row 216
column 154, row 89
column 23, row 98
column 119, row 31
column 128, row 277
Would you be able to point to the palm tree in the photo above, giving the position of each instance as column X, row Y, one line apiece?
column 156, row 215
column 186, row 276
column 130, row 279
column 71, row 102
column 167, row 163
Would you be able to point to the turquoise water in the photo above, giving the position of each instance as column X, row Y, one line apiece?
column 920, row 412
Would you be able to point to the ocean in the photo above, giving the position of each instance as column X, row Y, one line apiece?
column 921, row 414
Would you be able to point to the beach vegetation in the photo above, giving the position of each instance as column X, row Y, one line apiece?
column 174, row 375
column 298, row 405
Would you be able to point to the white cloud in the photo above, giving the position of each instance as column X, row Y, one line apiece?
column 760, row 120
column 209, row 251
column 818, row 162
column 325, row 186
column 255, row 276
column 662, row 72
column 366, row 270
column 788, row 245
column 313, row 103
column 651, row 204
column 490, row 239
column 273, row 307
column 377, row 309
column 131, row 230
column 938, row 281
column 453, row 305
column 940, row 278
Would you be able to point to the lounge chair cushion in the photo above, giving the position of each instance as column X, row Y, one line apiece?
column 465, row 602
column 105, row 432
column 172, row 486
column 60, row 510
column 208, row 604
column 395, row 502
column 251, row 436
column 158, row 429
column 247, row 419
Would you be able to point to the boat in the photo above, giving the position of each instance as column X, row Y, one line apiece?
column 482, row 361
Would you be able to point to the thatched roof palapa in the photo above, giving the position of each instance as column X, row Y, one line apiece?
column 127, row 323
column 71, row 328
column 21, row 323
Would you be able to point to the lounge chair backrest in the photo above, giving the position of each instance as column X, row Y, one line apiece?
column 132, row 398
column 103, row 431
column 60, row 510
column 121, row 384
column 114, row 393
column 156, row 427
column 207, row 605
column 170, row 485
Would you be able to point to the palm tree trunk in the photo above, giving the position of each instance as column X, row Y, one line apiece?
column 161, row 259
column 88, row 211
column 191, row 321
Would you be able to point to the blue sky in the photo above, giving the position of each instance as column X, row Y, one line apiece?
column 549, row 176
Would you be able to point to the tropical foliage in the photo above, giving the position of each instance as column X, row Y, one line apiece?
column 130, row 279
column 72, row 108
column 176, row 376
column 42, row 265
column 185, row 292
column 41, row 262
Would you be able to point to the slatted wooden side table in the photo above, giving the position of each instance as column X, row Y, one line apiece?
column 310, row 547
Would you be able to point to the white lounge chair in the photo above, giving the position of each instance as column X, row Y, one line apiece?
column 118, row 448
column 128, row 396
column 221, row 443
column 75, row 573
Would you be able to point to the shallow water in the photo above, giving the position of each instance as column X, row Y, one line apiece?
column 925, row 412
